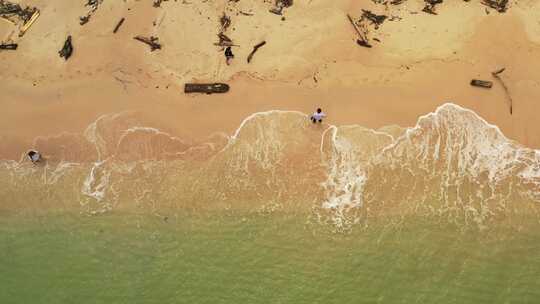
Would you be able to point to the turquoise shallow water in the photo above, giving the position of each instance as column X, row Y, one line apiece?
column 244, row 257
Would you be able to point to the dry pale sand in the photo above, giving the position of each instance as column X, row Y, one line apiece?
column 310, row 60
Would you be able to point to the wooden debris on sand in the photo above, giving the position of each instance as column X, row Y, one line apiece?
column 225, row 22
column 152, row 41
column 157, row 3
column 12, row 11
column 386, row 2
column 17, row 15
column 118, row 25
column 8, row 46
column 363, row 40
column 67, row 49
column 499, row 79
column 224, row 41
column 499, row 5
column 482, row 83
column 94, row 5
column 29, row 23
column 255, row 48
column 206, row 88
column 374, row 19
column 430, row 6
column 280, row 5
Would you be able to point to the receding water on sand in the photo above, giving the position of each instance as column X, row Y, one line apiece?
column 279, row 211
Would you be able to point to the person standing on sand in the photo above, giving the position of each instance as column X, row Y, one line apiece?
column 318, row 116
column 229, row 55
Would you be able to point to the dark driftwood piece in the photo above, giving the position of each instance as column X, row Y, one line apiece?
column 118, row 25
column 482, row 83
column 500, row 5
column 8, row 46
column 67, row 49
column 255, row 48
column 207, row 88
column 152, row 41
column 508, row 96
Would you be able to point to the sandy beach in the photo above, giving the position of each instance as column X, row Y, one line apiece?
column 310, row 60
column 418, row 187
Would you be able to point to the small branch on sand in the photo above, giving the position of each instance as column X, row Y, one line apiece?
column 123, row 82
column 152, row 41
column 508, row 96
column 67, row 49
column 246, row 14
column 255, row 48
column 118, row 25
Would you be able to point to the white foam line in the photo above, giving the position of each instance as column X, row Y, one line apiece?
column 250, row 117
column 439, row 109
column 148, row 129
column 333, row 128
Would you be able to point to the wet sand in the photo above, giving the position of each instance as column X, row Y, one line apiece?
column 310, row 60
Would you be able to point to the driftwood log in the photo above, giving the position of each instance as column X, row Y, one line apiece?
column 67, row 49
column 255, row 48
column 152, row 41
column 118, row 25
column 8, row 46
column 482, row 83
column 206, row 88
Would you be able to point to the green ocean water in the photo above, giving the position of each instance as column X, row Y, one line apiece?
column 246, row 257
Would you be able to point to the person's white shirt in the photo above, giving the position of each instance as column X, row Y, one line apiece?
column 318, row 116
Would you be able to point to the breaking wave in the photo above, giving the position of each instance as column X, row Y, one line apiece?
column 452, row 165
